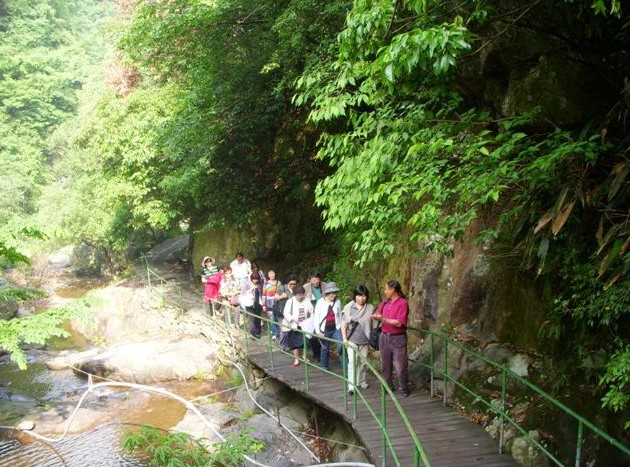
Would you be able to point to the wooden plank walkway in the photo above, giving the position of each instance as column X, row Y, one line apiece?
column 449, row 439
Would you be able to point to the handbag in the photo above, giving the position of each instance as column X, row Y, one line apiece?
column 353, row 327
column 278, row 309
column 375, row 336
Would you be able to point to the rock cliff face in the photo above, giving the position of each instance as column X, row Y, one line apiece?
column 479, row 291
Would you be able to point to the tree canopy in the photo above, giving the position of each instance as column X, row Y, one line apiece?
column 438, row 151
column 382, row 126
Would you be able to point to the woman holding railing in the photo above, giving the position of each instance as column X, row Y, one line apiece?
column 230, row 291
column 355, row 330
column 297, row 318
column 272, row 292
column 327, row 321
column 211, row 277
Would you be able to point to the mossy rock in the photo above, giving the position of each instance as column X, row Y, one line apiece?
column 8, row 308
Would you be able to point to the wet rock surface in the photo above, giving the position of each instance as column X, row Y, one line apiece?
column 155, row 335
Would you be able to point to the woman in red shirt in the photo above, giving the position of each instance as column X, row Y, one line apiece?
column 393, row 313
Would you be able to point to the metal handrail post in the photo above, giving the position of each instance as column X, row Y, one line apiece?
column 578, row 448
column 502, row 416
column 355, row 369
column 344, row 373
column 270, row 347
column 304, row 357
column 445, row 371
column 246, row 316
column 432, row 360
column 384, row 426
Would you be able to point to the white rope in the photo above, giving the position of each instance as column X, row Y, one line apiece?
column 267, row 412
column 141, row 387
column 94, row 387
column 270, row 414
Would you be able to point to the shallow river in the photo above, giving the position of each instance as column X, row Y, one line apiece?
column 40, row 389
column 99, row 447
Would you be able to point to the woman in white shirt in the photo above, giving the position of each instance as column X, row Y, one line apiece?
column 298, row 313
column 327, row 321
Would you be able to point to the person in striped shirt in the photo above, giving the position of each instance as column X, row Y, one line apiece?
column 272, row 290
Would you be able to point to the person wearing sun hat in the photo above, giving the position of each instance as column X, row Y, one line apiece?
column 327, row 320
column 211, row 279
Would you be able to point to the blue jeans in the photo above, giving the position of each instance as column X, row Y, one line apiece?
column 325, row 356
column 275, row 329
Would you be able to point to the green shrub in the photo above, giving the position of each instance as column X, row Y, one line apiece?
column 180, row 449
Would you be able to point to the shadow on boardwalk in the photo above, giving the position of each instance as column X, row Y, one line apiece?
column 448, row 438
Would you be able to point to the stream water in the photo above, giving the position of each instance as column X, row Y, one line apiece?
column 38, row 390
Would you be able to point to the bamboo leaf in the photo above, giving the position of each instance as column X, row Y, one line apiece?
column 621, row 170
column 543, row 221
column 562, row 217
column 599, row 235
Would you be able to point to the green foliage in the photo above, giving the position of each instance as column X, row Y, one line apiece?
column 43, row 54
column 37, row 329
column 603, row 7
column 617, row 379
column 236, row 379
column 112, row 201
column 234, row 448
column 417, row 159
column 10, row 255
column 411, row 163
column 21, row 294
column 229, row 143
column 179, row 449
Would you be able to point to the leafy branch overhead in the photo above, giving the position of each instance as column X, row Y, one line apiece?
column 432, row 124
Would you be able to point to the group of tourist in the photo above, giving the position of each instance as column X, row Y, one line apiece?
column 311, row 316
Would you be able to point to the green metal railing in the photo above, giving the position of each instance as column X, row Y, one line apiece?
column 386, row 394
column 584, row 426
column 157, row 283
column 504, row 416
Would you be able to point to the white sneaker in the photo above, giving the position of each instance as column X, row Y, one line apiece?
column 364, row 385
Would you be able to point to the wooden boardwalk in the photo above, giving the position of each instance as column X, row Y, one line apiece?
column 448, row 438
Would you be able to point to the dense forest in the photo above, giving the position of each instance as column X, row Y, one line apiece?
column 368, row 127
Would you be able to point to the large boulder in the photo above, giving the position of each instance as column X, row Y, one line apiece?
column 297, row 414
column 525, row 452
column 62, row 258
column 217, row 416
column 154, row 361
column 8, row 308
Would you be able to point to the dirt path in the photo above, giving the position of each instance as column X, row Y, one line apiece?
column 168, row 251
